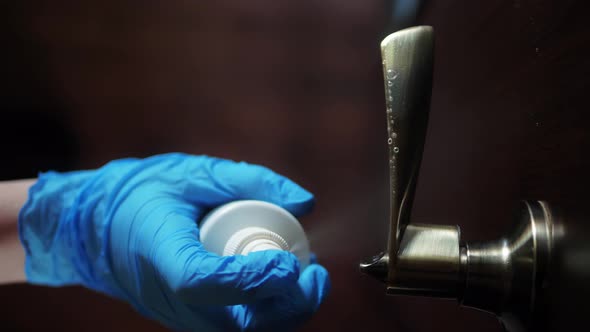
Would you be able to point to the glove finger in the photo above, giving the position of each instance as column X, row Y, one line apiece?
column 197, row 276
column 289, row 310
column 212, row 182
column 315, row 284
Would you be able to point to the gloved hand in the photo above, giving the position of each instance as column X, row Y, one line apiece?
column 129, row 230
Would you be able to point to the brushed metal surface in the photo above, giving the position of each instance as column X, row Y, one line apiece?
column 407, row 70
column 428, row 262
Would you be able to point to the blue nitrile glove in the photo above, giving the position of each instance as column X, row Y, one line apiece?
column 129, row 230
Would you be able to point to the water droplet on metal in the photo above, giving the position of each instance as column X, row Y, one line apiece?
column 391, row 74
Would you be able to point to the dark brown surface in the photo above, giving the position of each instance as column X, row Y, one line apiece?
column 297, row 87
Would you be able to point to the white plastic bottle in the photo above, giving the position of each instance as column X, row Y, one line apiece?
column 242, row 227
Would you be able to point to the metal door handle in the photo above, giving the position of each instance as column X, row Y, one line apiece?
column 501, row 276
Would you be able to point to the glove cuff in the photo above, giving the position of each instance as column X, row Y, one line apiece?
column 41, row 226
column 61, row 227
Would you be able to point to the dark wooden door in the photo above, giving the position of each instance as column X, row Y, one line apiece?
column 508, row 121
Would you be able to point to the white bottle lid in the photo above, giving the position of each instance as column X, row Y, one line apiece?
column 242, row 227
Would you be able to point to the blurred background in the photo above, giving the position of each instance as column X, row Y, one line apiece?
column 297, row 86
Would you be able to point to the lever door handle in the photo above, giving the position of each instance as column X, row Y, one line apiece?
column 407, row 71
column 501, row 276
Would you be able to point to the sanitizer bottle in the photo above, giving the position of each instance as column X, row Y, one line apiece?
column 242, row 227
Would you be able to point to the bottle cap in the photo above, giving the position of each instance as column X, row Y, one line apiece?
column 252, row 239
column 242, row 227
